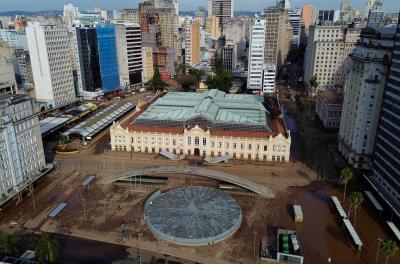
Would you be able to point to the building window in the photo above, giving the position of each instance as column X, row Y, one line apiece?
column 219, row 144
column 174, row 142
column 204, row 141
column 189, row 141
column 265, row 148
column 249, row 146
column 249, row 156
column 196, row 141
column 234, row 145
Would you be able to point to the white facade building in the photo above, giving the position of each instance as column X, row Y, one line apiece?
column 49, row 49
column 327, row 53
column 21, row 148
column 186, row 123
column 8, row 83
column 295, row 21
column 269, row 73
column 14, row 38
column 256, row 56
column 129, row 49
column 363, row 95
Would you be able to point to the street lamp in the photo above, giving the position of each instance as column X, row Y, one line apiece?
column 377, row 251
column 139, row 236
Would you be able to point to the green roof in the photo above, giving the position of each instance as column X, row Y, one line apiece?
column 214, row 106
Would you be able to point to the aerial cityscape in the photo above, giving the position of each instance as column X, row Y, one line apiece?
column 216, row 132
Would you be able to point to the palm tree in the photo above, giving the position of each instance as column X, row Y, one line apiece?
column 345, row 176
column 47, row 249
column 314, row 82
column 389, row 248
column 356, row 199
column 8, row 246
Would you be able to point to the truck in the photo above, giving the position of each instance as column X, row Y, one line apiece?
column 142, row 90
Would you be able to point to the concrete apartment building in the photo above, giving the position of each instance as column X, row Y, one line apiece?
column 212, row 27
column 192, row 43
column 222, row 9
column 296, row 23
column 147, row 61
column 386, row 158
column 328, row 107
column 14, row 38
column 129, row 50
column 188, row 123
column 268, row 82
column 308, row 15
column 277, row 36
column 21, row 148
column 364, row 89
column 130, row 14
column 327, row 53
column 8, row 84
column 49, row 49
column 256, row 56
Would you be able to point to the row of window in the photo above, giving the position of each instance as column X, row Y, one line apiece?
column 213, row 154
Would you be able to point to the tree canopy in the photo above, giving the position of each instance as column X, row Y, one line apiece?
column 47, row 249
column 222, row 80
column 157, row 83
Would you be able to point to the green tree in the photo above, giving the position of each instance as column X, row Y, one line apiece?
column 221, row 81
column 197, row 72
column 389, row 248
column 47, row 249
column 8, row 246
column 216, row 63
column 157, row 83
column 314, row 82
column 345, row 176
column 187, row 81
column 356, row 199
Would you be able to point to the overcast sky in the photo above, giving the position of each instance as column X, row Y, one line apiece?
column 240, row 5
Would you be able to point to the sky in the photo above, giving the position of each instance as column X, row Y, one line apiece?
column 184, row 5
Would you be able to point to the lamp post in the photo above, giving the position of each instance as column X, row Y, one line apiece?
column 139, row 236
column 377, row 251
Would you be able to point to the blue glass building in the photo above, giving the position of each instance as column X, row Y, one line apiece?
column 107, row 49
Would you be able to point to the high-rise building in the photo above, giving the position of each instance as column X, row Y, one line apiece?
column 49, row 49
column 70, row 14
column 201, row 14
column 222, row 9
column 364, row 89
column 327, row 53
column 376, row 18
column 229, row 57
column 14, row 38
column 23, row 71
column 21, row 147
column 147, row 60
column 371, row 5
column 328, row 15
column 87, row 59
column 212, row 27
column 256, row 56
column 130, row 14
column 386, row 158
column 8, row 84
column 107, row 48
column 129, row 48
column 277, row 36
column 295, row 22
column 307, row 14
column 268, row 82
column 284, row 4
column 192, row 43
